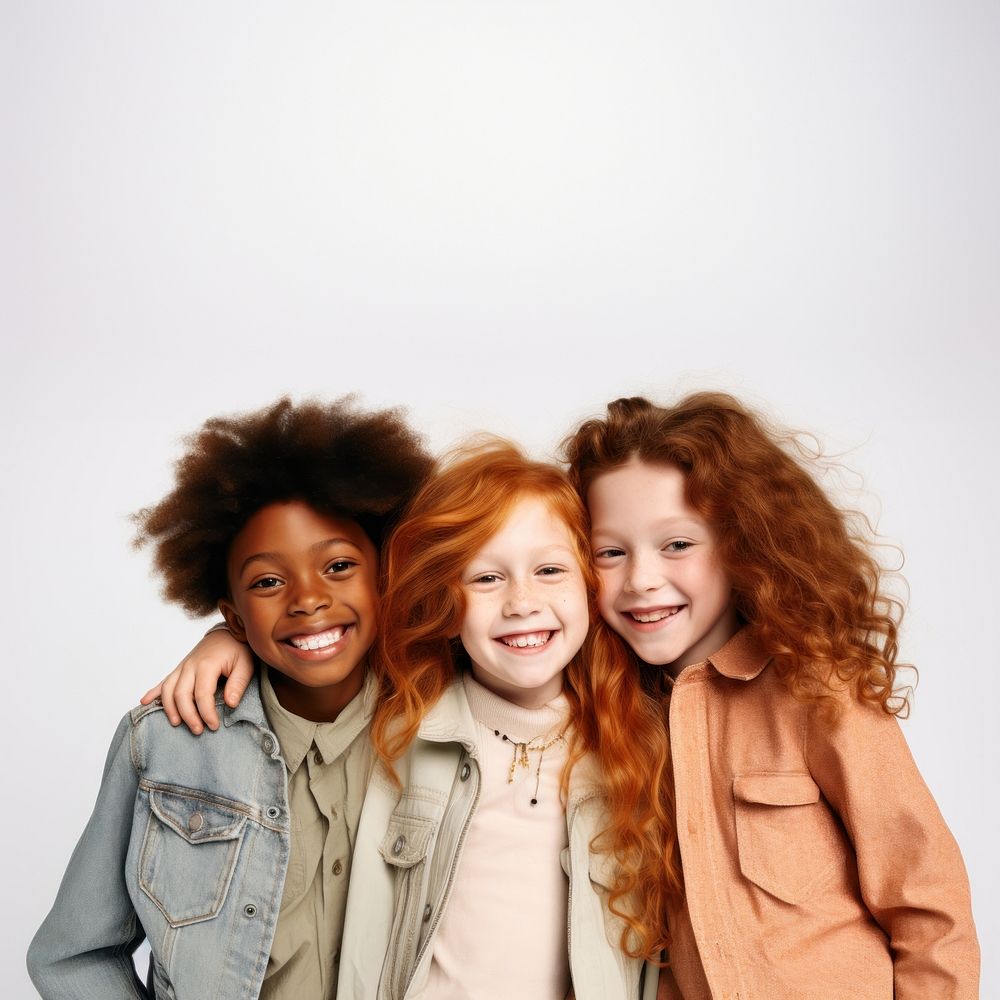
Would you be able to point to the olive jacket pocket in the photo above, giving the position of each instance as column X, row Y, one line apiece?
column 787, row 836
column 194, row 834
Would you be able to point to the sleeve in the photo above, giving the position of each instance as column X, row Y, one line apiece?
column 84, row 947
column 911, row 873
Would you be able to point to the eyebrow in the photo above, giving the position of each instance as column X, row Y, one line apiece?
column 663, row 525
column 557, row 549
column 318, row 547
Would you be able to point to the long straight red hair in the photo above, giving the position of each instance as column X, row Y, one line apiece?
column 611, row 716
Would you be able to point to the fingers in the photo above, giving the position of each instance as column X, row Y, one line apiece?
column 216, row 656
column 152, row 694
column 206, row 681
column 183, row 697
column 167, row 686
column 188, row 691
column 239, row 679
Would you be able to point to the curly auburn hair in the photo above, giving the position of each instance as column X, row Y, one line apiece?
column 804, row 576
column 335, row 457
column 450, row 519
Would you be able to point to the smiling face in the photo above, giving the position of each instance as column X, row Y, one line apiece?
column 662, row 587
column 303, row 596
column 526, row 606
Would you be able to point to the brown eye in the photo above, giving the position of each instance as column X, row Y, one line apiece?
column 340, row 566
column 608, row 554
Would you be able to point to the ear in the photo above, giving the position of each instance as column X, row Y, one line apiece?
column 233, row 620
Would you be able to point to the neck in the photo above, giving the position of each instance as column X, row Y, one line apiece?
column 523, row 697
column 317, row 704
column 711, row 642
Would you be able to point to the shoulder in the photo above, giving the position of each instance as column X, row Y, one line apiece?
column 153, row 738
column 154, row 710
column 586, row 780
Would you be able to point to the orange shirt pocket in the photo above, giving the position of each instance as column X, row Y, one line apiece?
column 788, row 838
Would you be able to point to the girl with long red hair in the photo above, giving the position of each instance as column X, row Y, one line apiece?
column 516, row 739
column 815, row 861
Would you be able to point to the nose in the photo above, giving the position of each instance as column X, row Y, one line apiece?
column 307, row 597
column 520, row 601
column 643, row 575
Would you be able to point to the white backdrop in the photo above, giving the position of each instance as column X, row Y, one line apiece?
column 501, row 215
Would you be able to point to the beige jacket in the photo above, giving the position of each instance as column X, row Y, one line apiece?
column 408, row 848
column 817, row 864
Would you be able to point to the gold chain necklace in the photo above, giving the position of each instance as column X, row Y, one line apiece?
column 521, row 750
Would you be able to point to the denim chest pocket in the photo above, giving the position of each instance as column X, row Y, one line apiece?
column 788, row 838
column 189, row 854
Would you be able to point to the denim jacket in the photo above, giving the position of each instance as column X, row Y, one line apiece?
column 187, row 846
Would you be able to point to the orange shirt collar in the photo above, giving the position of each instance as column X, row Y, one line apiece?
column 741, row 658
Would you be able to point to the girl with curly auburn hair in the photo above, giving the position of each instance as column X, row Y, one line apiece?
column 815, row 861
column 552, row 748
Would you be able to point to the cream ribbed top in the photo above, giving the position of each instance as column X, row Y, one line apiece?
column 503, row 933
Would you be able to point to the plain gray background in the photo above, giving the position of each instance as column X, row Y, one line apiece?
column 501, row 215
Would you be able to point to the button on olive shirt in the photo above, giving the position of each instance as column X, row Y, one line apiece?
column 328, row 766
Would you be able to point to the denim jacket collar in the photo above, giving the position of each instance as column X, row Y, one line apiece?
column 250, row 709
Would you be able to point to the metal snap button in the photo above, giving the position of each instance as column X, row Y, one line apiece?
column 317, row 758
column 466, row 771
column 337, row 867
column 272, row 812
column 195, row 822
column 268, row 744
column 250, row 910
column 397, row 848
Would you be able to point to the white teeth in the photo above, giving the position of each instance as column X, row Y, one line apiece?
column 318, row 641
column 653, row 616
column 526, row 640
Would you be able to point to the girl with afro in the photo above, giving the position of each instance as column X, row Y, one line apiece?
column 231, row 854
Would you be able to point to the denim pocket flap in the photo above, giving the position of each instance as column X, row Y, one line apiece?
column 197, row 820
column 189, row 853
column 406, row 840
column 771, row 789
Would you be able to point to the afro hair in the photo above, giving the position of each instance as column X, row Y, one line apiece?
column 335, row 457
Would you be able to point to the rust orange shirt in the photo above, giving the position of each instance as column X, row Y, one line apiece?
column 816, row 862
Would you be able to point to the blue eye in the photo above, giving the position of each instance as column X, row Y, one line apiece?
column 611, row 553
